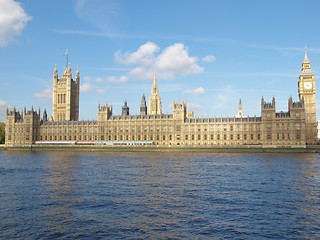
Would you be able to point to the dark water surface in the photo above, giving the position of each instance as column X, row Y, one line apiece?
column 159, row 196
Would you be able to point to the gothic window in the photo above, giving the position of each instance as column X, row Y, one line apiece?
column 121, row 137
column 205, row 137
column 298, row 136
column 132, row 138
column 245, row 127
column 245, row 136
column 251, row 136
column 269, row 126
column 297, row 126
column 231, row 137
column 297, row 115
column 199, row 137
column 258, row 136
column 164, row 137
column 225, row 136
column 269, row 136
column 211, row 136
column 231, row 127
column 186, row 137
column 218, row 137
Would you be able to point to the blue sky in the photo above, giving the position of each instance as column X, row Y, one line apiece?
column 209, row 53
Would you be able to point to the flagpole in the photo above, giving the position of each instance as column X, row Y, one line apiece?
column 67, row 59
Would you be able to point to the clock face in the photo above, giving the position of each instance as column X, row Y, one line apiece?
column 307, row 85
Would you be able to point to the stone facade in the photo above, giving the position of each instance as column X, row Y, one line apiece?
column 65, row 97
column 293, row 128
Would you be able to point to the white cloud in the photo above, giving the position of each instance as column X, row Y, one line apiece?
column 102, row 90
column 144, row 55
column 86, row 87
column 224, row 96
column 47, row 93
column 196, row 91
column 176, row 59
column 171, row 61
column 98, row 80
column 209, row 58
column 121, row 79
column 87, row 78
column 13, row 19
column 194, row 106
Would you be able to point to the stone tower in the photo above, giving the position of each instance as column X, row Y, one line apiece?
column 65, row 99
column 154, row 104
column 143, row 106
column 125, row 109
column 307, row 92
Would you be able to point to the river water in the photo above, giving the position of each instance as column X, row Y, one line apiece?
column 65, row 195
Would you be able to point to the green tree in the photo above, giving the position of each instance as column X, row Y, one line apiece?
column 2, row 126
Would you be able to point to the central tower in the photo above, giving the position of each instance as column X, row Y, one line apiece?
column 154, row 104
column 307, row 92
column 65, row 96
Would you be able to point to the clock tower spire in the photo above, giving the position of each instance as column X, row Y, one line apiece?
column 307, row 92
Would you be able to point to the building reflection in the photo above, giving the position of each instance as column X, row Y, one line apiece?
column 63, row 193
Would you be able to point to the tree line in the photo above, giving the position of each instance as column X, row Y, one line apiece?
column 2, row 126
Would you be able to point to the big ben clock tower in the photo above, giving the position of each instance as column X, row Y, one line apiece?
column 307, row 91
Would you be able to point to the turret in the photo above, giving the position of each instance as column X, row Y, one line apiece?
column 143, row 106
column 77, row 74
column 125, row 109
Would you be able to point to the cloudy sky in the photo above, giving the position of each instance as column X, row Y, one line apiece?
column 209, row 53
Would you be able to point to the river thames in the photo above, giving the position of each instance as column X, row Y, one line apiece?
column 70, row 195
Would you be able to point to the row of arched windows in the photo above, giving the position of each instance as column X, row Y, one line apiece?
column 61, row 98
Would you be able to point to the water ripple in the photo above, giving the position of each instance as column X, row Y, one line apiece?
column 159, row 196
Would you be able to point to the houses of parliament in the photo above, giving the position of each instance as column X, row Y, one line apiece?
column 294, row 128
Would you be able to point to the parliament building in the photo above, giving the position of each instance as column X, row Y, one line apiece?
column 296, row 127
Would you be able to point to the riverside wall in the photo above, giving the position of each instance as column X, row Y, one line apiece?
column 220, row 149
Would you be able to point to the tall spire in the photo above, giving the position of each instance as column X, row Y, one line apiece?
column 154, row 104
column 240, row 109
column 305, row 60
